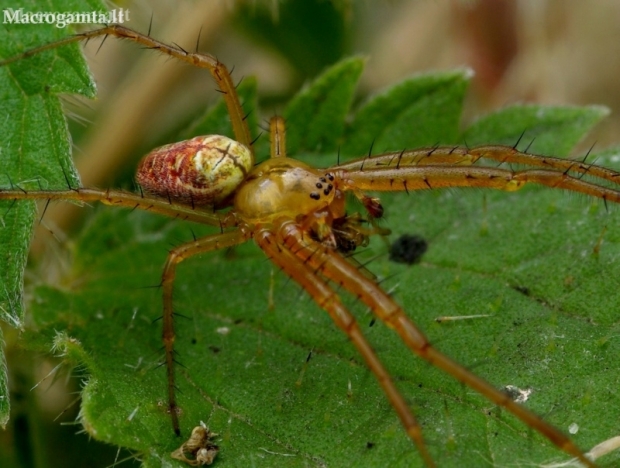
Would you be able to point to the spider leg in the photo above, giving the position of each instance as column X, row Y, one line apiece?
column 123, row 199
column 461, row 156
column 176, row 256
column 507, row 154
column 336, row 268
column 218, row 70
column 277, row 137
column 304, row 272
column 433, row 177
column 448, row 155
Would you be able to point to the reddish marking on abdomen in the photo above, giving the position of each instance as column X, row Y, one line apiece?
column 170, row 172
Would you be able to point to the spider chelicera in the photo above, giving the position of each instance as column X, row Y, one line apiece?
column 296, row 214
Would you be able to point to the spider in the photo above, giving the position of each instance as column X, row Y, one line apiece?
column 296, row 214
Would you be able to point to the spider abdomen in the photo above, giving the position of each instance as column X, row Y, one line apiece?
column 203, row 170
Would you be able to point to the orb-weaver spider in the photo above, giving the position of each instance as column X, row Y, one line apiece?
column 306, row 235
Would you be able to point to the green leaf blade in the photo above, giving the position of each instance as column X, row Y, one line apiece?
column 536, row 127
column 421, row 111
column 35, row 147
column 315, row 117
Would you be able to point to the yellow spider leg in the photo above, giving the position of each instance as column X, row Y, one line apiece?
column 277, row 137
column 327, row 299
column 176, row 256
column 218, row 70
column 454, row 155
column 123, row 199
column 506, row 154
column 336, row 268
column 432, row 177
column 443, row 155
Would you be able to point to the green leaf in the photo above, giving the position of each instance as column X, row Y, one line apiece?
column 530, row 125
column 290, row 29
column 315, row 117
column 35, row 147
column 524, row 263
column 422, row 111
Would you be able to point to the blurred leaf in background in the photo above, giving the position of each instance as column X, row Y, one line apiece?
column 310, row 35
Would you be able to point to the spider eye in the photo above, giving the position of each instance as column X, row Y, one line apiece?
column 203, row 171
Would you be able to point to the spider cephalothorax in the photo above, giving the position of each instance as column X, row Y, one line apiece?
column 285, row 187
column 297, row 215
